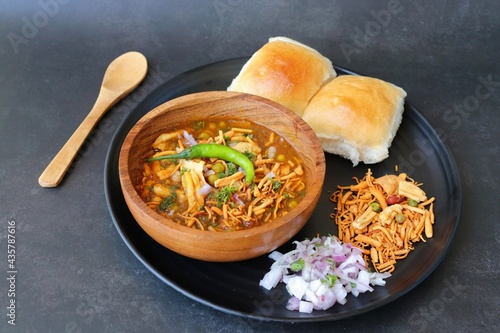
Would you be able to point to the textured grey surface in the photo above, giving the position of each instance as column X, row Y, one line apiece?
column 75, row 274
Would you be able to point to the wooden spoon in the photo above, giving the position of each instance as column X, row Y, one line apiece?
column 121, row 77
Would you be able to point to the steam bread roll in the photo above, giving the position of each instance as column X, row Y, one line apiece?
column 284, row 71
column 356, row 117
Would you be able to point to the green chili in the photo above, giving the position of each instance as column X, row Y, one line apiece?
column 211, row 150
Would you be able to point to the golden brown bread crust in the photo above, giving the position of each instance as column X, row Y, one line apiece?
column 284, row 71
column 356, row 117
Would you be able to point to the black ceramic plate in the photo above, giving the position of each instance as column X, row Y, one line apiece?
column 234, row 287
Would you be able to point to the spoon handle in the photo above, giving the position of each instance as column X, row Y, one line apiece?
column 59, row 165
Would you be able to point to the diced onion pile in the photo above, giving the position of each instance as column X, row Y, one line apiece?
column 321, row 272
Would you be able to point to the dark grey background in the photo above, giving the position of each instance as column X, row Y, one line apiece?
column 75, row 274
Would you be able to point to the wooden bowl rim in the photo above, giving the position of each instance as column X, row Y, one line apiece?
column 319, row 168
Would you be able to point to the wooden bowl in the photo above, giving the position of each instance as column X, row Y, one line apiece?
column 231, row 245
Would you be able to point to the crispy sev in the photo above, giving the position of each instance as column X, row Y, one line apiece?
column 385, row 233
column 173, row 188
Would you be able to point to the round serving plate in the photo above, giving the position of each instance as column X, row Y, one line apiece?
column 234, row 287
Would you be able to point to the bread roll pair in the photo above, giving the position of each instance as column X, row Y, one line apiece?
column 356, row 117
column 284, row 71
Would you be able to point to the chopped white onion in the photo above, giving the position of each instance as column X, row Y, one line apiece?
column 306, row 307
column 272, row 278
column 297, row 286
column 275, row 255
column 176, row 177
column 204, row 190
column 209, row 173
column 238, row 200
column 271, row 152
column 189, row 138
column 270, row 175
column 324, row 272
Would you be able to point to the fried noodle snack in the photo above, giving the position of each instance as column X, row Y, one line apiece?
column 222, row 175
column 384, row 217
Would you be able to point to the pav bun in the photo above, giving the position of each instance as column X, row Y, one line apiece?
column 284, row 71
column 356, row 117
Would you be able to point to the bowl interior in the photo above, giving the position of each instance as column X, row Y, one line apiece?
column 195, row 107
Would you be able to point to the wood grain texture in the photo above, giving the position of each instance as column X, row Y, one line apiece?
column 218, row 246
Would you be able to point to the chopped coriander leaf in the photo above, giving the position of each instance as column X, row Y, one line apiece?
column 249, row 154
column 276, row 185
column 199, row 125
column 167, row 202
column 297, row 265
column 329, row 280
column 224, row 194
column 231, row 169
